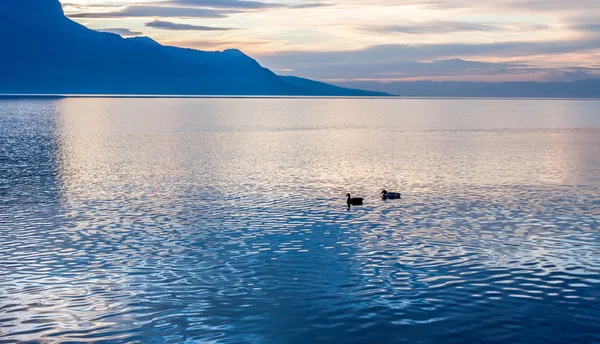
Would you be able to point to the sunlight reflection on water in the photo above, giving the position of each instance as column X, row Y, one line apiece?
column 224, row 220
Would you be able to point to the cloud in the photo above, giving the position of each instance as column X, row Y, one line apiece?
column 547, row 5
column 165, row 25
column 396, row 61
column 432, row 27
column 445, row 27
column 157, row 11
column 400, row 69
column 122, row 31
column 313, row 5
column 594, row 28
column 571, row 74
column 412, row 52
column 235, row 4
column 454, row 69
column 216, row 44
column 189, row 9
column 376, row 38
column 243, row 4
column 488, row 6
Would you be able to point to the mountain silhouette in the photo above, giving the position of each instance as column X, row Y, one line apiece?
column 589, row 88
column 44, row 52
column 330, row 90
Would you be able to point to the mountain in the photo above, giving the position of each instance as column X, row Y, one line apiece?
column 577, row 89
column 331, row 90
column 44, row 52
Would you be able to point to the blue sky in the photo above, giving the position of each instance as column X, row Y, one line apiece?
column 385, row 40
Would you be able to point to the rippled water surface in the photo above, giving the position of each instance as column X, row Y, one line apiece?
column 224, row 221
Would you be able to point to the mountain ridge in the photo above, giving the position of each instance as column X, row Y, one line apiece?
column 44, row 52
column 332, row 90
column 588, row 88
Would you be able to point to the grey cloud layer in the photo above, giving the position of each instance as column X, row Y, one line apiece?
column 165, row 25
column 157, row 11
column 444, row 27
column 594, row 28
column 243, row 4
column 399, row 61
column 533, row 5
column 122, row 31
column 237, row 4
column 442, row 69
column 433, row 51
column 193, row 9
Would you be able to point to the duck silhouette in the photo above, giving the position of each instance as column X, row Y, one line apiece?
column 390, row 195
column 354, row 201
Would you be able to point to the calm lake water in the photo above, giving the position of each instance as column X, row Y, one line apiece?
column 225, row 221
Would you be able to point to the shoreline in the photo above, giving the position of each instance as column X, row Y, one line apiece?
column 167, row 96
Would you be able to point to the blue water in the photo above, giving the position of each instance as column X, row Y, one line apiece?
column 224, row 221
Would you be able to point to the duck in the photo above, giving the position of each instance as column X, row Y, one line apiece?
column 354, row 201
column 390, row 195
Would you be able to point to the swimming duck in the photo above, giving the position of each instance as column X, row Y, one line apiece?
column 390, row 195
column 354, row 201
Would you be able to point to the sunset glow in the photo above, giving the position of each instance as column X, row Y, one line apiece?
column 373, row 39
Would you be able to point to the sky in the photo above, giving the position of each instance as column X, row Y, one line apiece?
column 375, row 40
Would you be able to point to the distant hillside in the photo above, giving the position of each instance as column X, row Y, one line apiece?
column 577, row 89
column 45, row 52
column 331, row 90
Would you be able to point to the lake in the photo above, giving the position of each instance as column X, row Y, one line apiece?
column 225, row 221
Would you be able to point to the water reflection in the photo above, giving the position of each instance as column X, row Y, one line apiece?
column 226, row 220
